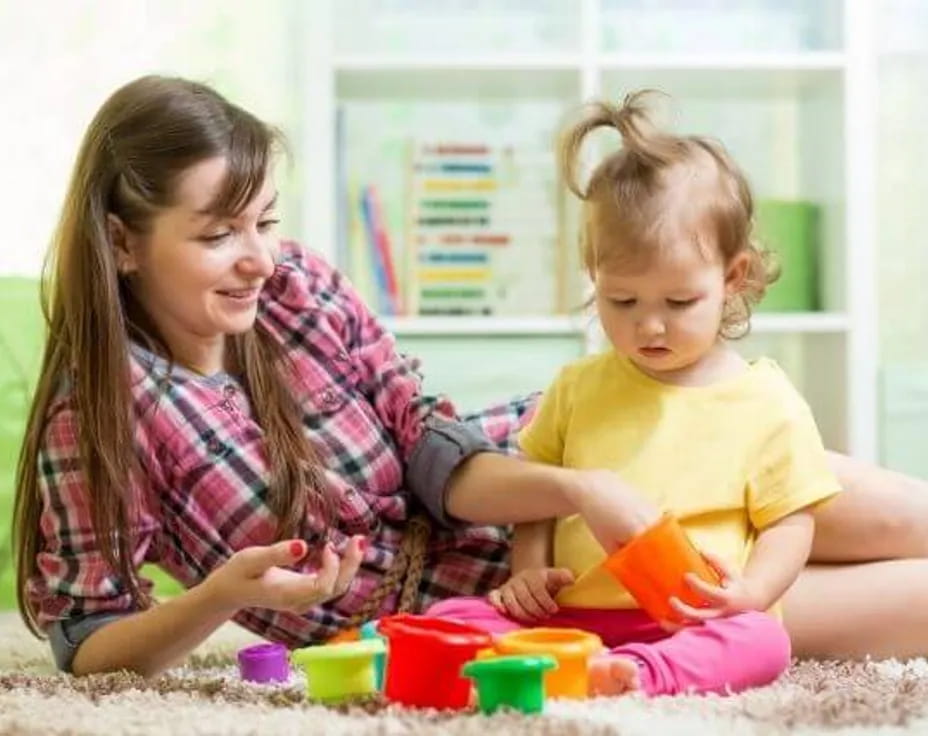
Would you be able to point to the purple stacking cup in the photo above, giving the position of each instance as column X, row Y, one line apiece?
column 264, row 663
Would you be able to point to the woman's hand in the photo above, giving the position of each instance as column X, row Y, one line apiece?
column 256, row 577
column 735, row 595
column 529, row 594
column 612, row 509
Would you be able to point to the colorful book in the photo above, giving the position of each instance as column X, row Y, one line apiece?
column 380, row 241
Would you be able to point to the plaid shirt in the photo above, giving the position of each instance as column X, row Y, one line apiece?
column 201, row 492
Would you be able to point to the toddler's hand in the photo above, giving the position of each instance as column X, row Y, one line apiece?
column 529, row 595
column 734, row 595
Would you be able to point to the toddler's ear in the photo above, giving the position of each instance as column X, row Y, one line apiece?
column 736, row 273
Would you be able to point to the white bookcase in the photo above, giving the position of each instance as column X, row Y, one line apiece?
column 788, row 86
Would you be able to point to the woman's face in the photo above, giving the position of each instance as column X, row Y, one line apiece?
column 198, row 276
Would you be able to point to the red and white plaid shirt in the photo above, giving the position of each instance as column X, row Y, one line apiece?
column 202, row 491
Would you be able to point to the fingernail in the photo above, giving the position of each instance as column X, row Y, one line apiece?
column 362, row 543
column 297, row 548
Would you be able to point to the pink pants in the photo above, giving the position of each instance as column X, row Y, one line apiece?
column 722, row 656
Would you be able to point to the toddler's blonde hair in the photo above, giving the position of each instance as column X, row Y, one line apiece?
column 660, row 190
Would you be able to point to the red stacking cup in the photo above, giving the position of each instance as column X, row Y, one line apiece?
column 425, row 657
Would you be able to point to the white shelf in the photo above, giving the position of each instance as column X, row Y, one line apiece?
column 806, row 61
column 517, row 76
column 476, row 326
column 364, row 78
column 762, row 323
column 799, row 61
column 742, row 75
column 825, row 97
column 492, row 63
column 799, row 322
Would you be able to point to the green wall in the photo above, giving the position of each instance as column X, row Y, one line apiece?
column 20, row 346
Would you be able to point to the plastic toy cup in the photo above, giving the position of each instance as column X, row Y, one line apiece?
column 517, row 682
column 369, row 631
column 338, row 671
column 346, row 635
column 264, row 663
column 426, row 656
column 652, row 567
column 572, row 648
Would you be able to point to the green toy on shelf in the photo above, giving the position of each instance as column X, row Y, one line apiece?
column 791, row 229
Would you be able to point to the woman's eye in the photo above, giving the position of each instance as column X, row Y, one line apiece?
column 624, row 302
column 681, row 303
column 266, row 225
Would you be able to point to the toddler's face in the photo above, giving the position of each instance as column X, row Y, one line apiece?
column 665, row 315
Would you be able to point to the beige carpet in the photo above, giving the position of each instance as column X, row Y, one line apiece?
column 205, row 697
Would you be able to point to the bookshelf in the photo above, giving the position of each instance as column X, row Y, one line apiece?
column 788, row 86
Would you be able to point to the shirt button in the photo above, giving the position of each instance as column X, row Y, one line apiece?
column 328, row 397
column 214, row 446
column 228, row 390
column 342, row 355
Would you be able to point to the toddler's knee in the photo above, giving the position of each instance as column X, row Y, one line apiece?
column 770, row 644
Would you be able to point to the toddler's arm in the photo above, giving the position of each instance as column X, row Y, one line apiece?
column 780, row 552
column 778, row 557
column 532, row 545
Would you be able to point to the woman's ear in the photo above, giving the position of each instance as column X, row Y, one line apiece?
column 121, row 241
column 736, row 273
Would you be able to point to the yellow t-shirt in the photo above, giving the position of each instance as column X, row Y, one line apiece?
column 727, row 459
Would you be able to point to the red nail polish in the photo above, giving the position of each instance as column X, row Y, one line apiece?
column 297, row 548
column 362, row 543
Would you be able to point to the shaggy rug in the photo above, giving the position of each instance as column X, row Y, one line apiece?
column 205, row 696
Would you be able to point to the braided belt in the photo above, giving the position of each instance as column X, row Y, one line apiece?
column 406, row 570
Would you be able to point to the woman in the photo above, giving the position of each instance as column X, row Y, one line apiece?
column 223, row 405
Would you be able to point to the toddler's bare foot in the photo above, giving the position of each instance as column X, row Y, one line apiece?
column 613, row 675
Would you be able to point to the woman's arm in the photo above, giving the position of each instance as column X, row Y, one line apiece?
column 499, row 489
column 150, row 641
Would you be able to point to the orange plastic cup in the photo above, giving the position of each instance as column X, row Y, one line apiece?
column 344, row 636
column 572, row 648
column 652, row 567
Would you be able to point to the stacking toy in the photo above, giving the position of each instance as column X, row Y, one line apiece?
column 369, row 631
column 572, row 648
column 264, row 663
column 652, row 567
column 516, row 682
column 426, row 656
column 338, row 671
column 345, row 635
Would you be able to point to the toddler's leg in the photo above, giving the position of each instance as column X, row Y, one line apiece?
column 722, row 656
column 476, row 612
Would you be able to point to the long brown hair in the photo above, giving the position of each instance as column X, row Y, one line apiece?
column 142, row 139
column 659, row 186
